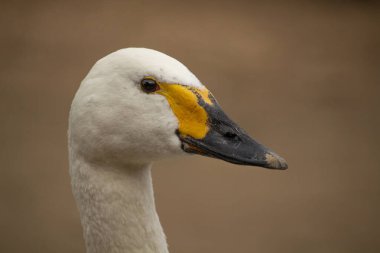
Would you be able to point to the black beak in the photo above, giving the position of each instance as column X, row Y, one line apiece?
column 227, row 141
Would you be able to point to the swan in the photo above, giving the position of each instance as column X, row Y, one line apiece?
column 136, row 106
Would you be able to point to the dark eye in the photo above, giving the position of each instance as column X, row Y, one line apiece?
column 149, row 85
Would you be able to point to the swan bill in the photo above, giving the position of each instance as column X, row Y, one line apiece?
column 253, row 154
column 225, row 140
column 205, row 129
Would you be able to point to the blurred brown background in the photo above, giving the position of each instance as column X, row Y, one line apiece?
column 302, row 77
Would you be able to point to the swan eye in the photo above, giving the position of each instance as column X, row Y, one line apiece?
column 149, row 85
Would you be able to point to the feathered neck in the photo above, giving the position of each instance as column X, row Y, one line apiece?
column 117, row 207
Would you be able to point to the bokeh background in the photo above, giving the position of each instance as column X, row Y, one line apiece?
column 302, row 77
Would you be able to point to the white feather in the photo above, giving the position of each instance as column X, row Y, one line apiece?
column 115, row 132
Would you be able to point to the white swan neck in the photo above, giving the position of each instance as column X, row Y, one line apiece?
column 117, row 208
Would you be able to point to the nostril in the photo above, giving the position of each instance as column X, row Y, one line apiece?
column 230, row 135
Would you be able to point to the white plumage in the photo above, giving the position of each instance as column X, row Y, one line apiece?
column 116, row 131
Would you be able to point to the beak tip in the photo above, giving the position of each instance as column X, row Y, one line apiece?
column 275, row 161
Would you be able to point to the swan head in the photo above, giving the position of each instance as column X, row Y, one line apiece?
column 138, row 105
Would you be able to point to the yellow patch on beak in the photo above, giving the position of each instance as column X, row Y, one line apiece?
column 192, row 118
column 204, row 93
